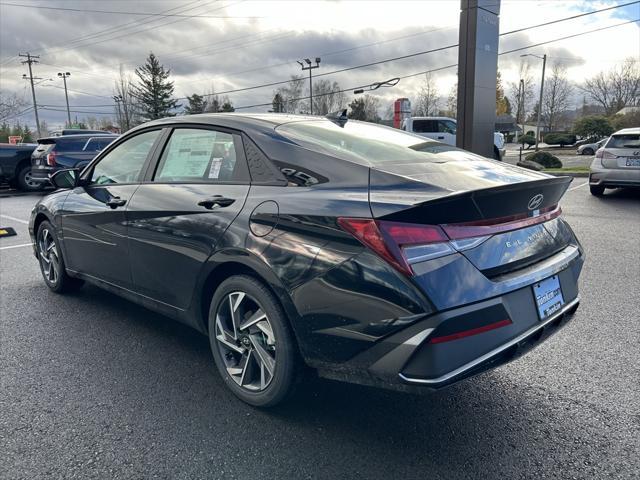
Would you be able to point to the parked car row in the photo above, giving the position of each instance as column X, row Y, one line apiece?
column 27, row 166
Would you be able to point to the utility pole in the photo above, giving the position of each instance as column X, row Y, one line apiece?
column 118, row 99
column 544, row 63
column 30, row 59
column 520, row 109
column 64, row 76
column 310, row 67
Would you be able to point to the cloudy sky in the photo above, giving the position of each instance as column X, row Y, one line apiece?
column 232, row 44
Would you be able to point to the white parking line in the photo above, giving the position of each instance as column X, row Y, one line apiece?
column 16, row 246
column 581, row 185
column 14, row 219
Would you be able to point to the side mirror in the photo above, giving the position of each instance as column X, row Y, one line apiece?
column 67, row 178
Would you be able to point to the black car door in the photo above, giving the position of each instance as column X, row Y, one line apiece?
column 93, row 220
column 178, row 215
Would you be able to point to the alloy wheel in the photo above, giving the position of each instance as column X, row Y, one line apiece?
column 28, row 180
column 49, row 258
column 245, row 340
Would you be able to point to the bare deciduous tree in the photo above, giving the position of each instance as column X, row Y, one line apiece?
column 521, row 100
column 327, row 97
column 11, row 105
column 126, row 109
column 291, row 94
column 557, row 95
column 428, row 100
column 452, row 101
column 617, row 88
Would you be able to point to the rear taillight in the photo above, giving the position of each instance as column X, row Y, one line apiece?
column 400, row 244
column 602, row 153
column 404, row 244
column 481, row 228
column 51, row 158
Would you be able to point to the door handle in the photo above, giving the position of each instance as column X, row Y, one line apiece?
column 115, row 202
column 441, row 138
column 218, row 200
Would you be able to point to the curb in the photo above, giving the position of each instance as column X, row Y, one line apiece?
column 568, row 174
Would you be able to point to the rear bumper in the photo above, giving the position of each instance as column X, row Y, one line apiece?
column 41, row 173
column 504, row 353
column 445, row 347
column 614, row 177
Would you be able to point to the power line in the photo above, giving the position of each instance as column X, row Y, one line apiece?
column 412, row 55
column 79, row 43
column 455, row 64
column 119, row 12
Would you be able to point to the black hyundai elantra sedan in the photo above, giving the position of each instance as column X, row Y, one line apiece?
column 359, row 251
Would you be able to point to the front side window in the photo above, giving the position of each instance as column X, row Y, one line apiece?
column 197, row 155
column 446, row 126
column 424, row 126
column 124, row 163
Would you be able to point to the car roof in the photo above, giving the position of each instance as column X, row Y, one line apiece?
column 85, row 136
column 236, row 119
column 628, row 130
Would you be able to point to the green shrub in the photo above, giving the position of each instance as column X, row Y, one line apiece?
column 561, row 139
column 532, row 133
column 545, row 159
column 528, row 139
column 530, row 165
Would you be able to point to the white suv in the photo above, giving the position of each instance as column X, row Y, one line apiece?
column 617, row 163
column 443, row 129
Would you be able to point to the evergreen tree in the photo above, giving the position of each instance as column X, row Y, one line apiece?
column 197, row 104
column 278, row 103
column 227, row 106
column 154, row 91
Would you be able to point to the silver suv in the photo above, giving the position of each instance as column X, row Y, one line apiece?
column 617, row 163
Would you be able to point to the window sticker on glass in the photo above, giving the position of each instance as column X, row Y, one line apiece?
column 188, row 154
column 214, row 170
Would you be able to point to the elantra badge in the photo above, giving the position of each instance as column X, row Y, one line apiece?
column 535, row 202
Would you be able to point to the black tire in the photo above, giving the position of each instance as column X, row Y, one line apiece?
column 287, row 364
column 588, row 151
column 597, row 190
column 50, row 259
column 24, row 182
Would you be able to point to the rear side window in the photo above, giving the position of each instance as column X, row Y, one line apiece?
column 70, row 144
column 425, row 126
column 198, row 155
column 628, row 140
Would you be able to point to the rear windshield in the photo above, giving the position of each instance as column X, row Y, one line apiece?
column 366, row 143
column 627, row 140
column 70, row 144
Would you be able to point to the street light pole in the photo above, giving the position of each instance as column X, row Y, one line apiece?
column 310, row 67
column 519, row 113
column 64, row 76
column 544, row 64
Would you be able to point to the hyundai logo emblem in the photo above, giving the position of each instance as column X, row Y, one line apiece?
column 535, row 202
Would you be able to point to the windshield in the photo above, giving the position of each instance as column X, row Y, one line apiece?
column 364, row 143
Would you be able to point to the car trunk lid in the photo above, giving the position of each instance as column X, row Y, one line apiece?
column 499, row 223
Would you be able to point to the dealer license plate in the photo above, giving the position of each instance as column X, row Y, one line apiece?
column 632, row 162
column 548, row 296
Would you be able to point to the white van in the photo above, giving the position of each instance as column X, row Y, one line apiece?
column 443, row 129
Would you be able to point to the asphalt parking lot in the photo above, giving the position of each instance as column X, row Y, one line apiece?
column 92, row 386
